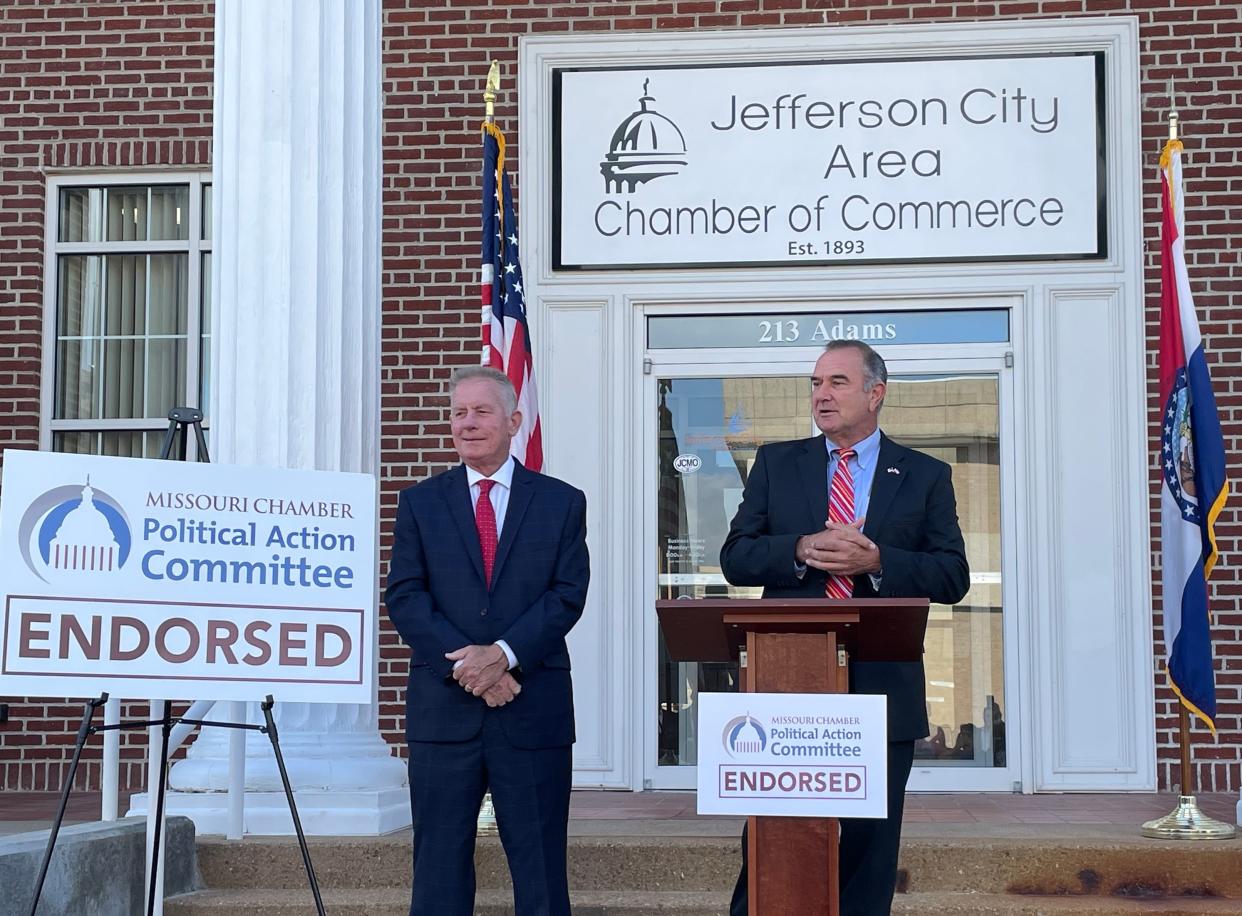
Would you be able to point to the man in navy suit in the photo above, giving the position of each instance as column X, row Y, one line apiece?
column 488, row 574
column 881, row 524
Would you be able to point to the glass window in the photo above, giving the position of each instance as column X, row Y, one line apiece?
column 709, row 432
column 130, row 312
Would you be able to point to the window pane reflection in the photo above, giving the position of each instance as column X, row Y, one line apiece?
column 122, row 443
column 717, row 424
column 957, row 419
column 170, row 212
column 126, row 214
column 81, row 214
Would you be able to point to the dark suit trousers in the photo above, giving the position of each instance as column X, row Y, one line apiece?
column 868, row 868
column 530, row 791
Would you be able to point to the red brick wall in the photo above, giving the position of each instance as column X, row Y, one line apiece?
column 435, row 64
column 94, row 86
column 147, row 99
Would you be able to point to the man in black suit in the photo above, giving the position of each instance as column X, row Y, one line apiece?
column 852, row 513
column 488, row 574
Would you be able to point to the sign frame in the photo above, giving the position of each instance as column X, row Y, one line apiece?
column 186, row 580
column 560, row 265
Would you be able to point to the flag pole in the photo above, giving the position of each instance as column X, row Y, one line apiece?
column 1186, row 821
column 486, row 824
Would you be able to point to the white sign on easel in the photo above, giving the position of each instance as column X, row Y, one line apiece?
column 793, row 754
column 171, row 579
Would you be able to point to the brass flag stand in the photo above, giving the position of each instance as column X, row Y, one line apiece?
column 1186, row 821
column 486, row 825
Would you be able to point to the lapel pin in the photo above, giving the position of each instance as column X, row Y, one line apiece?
column 893, row 471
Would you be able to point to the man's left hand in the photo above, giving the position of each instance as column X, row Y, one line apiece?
column 847, row 552
column 481, row 667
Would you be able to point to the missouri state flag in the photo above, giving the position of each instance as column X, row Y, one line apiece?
column 506, row 335
column 1192, row 463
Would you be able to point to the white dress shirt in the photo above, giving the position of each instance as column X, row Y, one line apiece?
column 499, row 496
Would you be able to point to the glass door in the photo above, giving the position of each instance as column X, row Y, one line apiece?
column 709, row 422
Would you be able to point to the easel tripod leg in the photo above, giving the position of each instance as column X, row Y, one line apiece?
column 84, row 730
column 165, row 728
column 293, row 809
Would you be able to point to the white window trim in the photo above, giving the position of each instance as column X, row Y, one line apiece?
column 195, row 246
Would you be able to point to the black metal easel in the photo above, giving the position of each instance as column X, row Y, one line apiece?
column 180, row 419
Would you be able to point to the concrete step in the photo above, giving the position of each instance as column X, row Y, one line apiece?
column 1105, row 864
column 1116, row 865
column 595, row 864
column 968, row 904
column 396, row 902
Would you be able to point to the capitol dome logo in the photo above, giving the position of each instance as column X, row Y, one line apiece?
column 744, row 735
column 74, row 531
column 645, row 146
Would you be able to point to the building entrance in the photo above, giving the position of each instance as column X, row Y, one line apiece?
column 705, row 420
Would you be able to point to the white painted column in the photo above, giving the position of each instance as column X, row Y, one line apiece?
column 295, row 356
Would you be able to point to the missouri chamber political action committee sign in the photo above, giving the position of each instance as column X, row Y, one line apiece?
column 799, row 163
column 793, row 754
column 169, row 579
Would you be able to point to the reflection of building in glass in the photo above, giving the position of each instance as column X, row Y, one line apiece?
column 644, row 146
column 84, row 540
column 957, row 420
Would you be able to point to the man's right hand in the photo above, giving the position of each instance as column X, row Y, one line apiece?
column 840, row 549
column 503, row 691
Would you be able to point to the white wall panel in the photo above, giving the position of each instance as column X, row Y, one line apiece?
column 573, row 409
column 1092, row 607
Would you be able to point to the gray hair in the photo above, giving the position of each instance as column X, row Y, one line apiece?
column 508, row 395
column 874, row 370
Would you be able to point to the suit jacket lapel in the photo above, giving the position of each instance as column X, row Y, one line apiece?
column 813, row 472
column 519, row 498
column 884, row 484
column 457, row 495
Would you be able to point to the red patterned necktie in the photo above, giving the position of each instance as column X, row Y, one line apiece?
column 485, row 523
column 841, row 512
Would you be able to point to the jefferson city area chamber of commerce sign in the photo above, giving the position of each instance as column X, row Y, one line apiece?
column 821, row 163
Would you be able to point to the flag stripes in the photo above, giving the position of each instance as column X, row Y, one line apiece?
column 505, row 332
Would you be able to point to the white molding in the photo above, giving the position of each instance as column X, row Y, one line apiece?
column 1120, row 637
column 597, row 643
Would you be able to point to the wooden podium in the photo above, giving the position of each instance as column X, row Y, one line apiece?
column 793, row 645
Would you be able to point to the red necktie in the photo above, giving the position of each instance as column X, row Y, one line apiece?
column 841, row 512
column 485, row 523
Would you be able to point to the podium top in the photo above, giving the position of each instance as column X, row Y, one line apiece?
column 871, row 629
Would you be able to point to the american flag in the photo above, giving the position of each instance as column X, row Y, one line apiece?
column 506, row 335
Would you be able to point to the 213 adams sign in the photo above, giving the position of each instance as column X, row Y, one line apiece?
column 829, row 162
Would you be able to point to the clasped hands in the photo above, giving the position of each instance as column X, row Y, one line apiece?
column 842, row 550
column 484, row 672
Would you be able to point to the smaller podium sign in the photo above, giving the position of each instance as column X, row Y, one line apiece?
column 178, row 580
column 793, row 754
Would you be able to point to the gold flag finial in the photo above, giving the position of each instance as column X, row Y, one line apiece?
column 489, row 93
